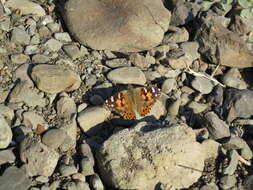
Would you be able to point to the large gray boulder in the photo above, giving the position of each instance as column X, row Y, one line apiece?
column 123, row 26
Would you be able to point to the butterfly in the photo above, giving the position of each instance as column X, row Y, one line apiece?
column 133, row 102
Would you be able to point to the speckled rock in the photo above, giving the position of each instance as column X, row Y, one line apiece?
column 154, row 156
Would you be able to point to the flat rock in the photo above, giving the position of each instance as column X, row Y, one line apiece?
column 154, row 156
column 91, row 117
column 7, row 156
column 127, row 26
column 66, row 107
column 54, row 138
column 203, row 85
column 233, row 79
column 21, row 73
column 39, row 159
column 24, row 93
column 127, row 75
column 26, row 7
column 15, row 178
column 53, row 78
column 53, row 45
column 182, row 12
column 5, row 133
column 233, row 52
column 238, row 143
column 237, row 104
column 20, row 36
column 19, row 58
column 70, row 129
column 88, row 161
column 217, row 128
column 7, row 113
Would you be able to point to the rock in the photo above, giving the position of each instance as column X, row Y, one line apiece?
column 152, row 75
column 62, row 37
column 212, row 148
column 168, row 85
column 203, row 85
column 197, row 107
column 31, row 49
column 66, row 107
column 248, row 183
column 96, row 182
column 3, row 95
column 174, row 108
column 232, row 51
column 5, row 24
column 53, row 27
column 44, row 32
column 40, row 58
column 153, row 156
column 19, row 58
column 54, row 79
column 127, row 75
column 22, row 92
column 21, row 73
column 87, row 162
column 15, row 178
column 72, row 51
column 82, row 185
column 35, row 39
column 42, row 179
column 70, row 128
column 227, row 182
column 237, row 104
column 139, row 60
column 39, row 159
column 216, row 97
column 21, row 132
column 33, row 120
column 120, row 62
column 7, row 156
column 7, row 113
column 26, row 7
column 53, row 45
column 143, row 20
column 177, row 36
column 79, row 177
column 238, row 143
column 231, row 79
column 20, row 36
column 191, row 49
column 211, row 186
column 96, row 100
column 54, row 138
column 5, row 133
column 91, row 117
column 182, row 12
column 233, row 162
column 217, row 128
column 67, row 170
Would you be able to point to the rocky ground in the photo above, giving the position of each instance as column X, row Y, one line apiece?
column 60, row 61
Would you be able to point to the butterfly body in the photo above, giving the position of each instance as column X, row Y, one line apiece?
column 134, row 102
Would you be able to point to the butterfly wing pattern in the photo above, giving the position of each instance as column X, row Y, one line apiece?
column 148, row 97
column 134, row 101
column 121, row 104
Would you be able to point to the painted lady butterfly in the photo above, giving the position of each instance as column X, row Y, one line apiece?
column 133, row 102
